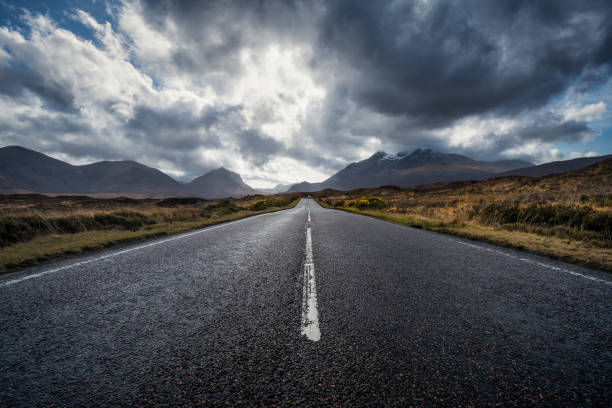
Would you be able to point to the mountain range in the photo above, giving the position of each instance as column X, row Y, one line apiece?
column 23, row 170
column 26, row 171
column 556, row 167
column 411, row 169
column 279, row 188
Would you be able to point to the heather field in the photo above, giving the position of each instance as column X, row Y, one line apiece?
column 565, row 216
column 35, row 228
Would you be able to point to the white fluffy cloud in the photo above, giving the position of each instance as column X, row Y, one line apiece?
column 277, row 91
column 575, row 155
column 585, row 113
column 123, row 98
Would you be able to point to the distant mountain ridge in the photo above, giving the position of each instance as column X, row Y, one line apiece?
column 25, row 170
column 410, row 169
column 279, row 188
column 556, row 167
column 220, row 183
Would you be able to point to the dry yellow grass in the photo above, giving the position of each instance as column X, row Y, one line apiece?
column 460, row 209
column 573, row 251
column 171, row 221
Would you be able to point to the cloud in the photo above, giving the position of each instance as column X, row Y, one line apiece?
column 257, row 148
column 586, row 113
column 440, row 61
column 282, row 91
column 576, row 155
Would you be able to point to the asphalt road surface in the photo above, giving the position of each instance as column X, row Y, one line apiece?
column 306, row 307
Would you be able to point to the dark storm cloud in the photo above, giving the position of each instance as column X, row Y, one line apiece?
column 288, row 16
column 465, row 58
column 89, row 148
column 256, row 148
column 570, row 131
column 213, row 32
column 178, row 126
column 182, row 130
column 49, row 126
column 16, row 80
column 316, row 159
column 395, row 75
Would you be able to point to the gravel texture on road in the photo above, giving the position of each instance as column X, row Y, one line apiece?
column 407, row 318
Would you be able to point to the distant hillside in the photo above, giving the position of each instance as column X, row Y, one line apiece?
column 25, row 170
column 126, row 177
column 279, row 188
column 220, row 183
column 567, row 216
column 556, row 167
column 410, row 169
column 592, row 184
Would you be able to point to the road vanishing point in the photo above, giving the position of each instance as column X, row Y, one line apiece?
column 308, row 307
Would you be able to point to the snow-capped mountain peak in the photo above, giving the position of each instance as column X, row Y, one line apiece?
column 391, row 157
column 425, row 154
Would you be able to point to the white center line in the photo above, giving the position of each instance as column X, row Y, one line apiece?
column 310, row 314
column 309, row 215
column 113, row 254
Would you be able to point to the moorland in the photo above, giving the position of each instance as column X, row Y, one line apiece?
column 566, row 216
column 35, row 228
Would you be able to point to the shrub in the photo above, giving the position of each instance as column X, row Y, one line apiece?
column 362, row 203
column 269, row 201
column 547, row 215
column 122, row 219
column 225, row 203
column 339, row 203
column 178, row 201
column 277, row 201
column 21, row 229
column 224, row 206
column 600, row 222
column 16, row 229
column 258, row 205
column 576, row 217
column 370, row 202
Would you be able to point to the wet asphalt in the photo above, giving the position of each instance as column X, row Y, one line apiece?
column 407, row 318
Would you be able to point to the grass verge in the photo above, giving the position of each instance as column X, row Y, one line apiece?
column 568, row 250
column 55, row 246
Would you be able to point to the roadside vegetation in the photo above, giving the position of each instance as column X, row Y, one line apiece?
column 36, row 228
column 566, row 216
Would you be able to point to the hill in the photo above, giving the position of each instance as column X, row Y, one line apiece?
column 556, row 167
column 567, row 216
column 410, row 169
column 219, row 183
column 279, row 188
column 25, row 170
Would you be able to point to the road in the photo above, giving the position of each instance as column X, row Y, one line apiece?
column 306, row 307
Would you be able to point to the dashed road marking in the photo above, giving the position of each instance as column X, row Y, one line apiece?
column 310, row 313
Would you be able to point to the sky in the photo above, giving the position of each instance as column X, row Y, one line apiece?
column 291, row 91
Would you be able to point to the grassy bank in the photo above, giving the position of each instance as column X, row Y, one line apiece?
column 35, row 229
column 566, row 216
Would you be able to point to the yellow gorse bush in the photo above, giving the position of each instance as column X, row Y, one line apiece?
column 370, row 202
column 362, row 203
column 268, row 202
